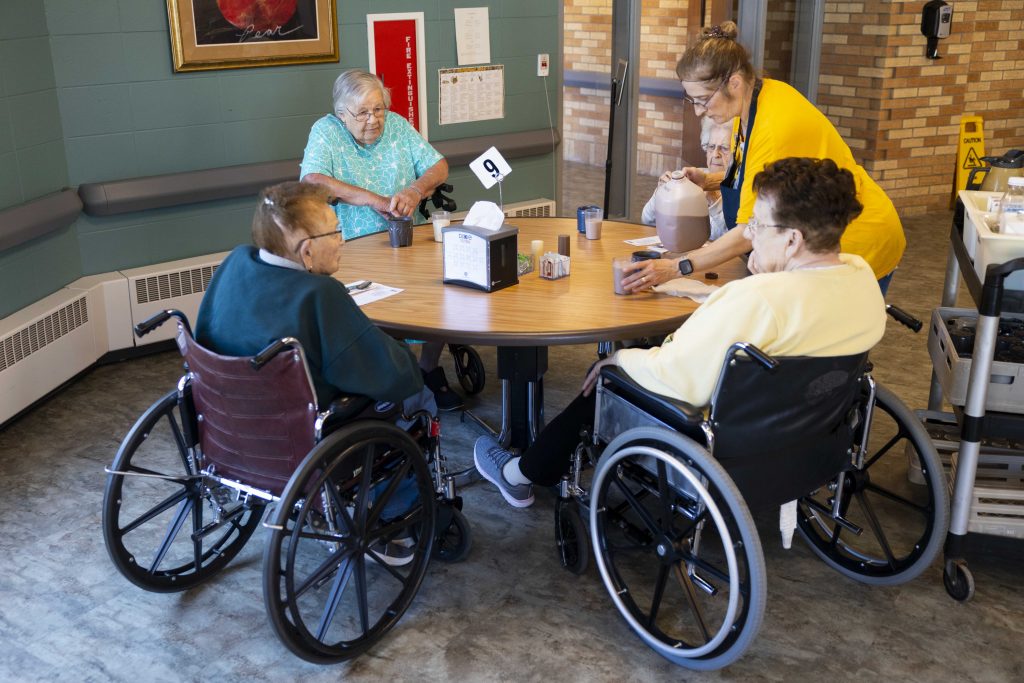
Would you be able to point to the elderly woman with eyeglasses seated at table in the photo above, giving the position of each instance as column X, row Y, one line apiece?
column 807, row 299
column 282, row 287
column 378, row 166
column 715, row 140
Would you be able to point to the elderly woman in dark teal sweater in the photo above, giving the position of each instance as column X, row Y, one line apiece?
column 282, row 287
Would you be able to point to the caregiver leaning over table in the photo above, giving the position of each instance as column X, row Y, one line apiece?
column 776, row 121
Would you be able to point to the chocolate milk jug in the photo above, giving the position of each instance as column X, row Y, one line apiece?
column 681, row 214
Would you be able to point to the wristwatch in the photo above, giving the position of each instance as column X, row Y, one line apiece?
column 685, row 266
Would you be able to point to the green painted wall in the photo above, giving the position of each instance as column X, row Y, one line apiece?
column 119, row 111
column 32, row 159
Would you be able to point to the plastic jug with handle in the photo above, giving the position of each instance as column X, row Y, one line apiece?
column 998, row 172
column 681, row 214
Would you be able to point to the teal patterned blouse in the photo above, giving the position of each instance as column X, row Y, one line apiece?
column 398, row 157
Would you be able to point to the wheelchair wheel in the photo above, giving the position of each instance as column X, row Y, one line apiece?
column 153, row 508
column 455, row 539
column 329, row 595
column 571, row 536
column 468, row 368
column 893, row 528
column 677, row 548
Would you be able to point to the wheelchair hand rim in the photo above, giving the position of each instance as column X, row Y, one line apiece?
column 672, row 653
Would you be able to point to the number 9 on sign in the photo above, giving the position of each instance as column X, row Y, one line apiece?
column 490, row 167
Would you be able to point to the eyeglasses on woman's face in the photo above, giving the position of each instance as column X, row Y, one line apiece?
column 364, row 114
column 310, row 238
column 755, row 226
column 722, row 149
column 703, row 102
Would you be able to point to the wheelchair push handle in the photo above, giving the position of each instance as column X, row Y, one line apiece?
column 155, row 321
column 264, row 356
column 757, row 354
column 903, row 317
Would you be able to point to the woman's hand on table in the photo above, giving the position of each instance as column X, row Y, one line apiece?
column 646, row 274
column 405, row 201
column 595, row 373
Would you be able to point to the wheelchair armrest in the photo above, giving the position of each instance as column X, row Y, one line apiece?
column 662, row 407
column 348, row 406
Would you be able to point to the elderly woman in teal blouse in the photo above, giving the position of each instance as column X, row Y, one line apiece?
column 369, row 157
column 376, row 163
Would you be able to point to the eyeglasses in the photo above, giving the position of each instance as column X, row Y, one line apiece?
column 315, row 237
column 704, row 101
column 717, row 149
column 364, row 116
column 754, row 226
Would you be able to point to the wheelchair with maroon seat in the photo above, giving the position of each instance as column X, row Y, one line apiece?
column 240, row 439
column 668, row 508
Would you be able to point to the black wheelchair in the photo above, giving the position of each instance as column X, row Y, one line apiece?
column 670, row 498
column 241, row 439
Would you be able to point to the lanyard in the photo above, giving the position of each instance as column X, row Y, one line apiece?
column 733, row 180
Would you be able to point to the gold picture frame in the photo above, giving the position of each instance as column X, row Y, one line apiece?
column 234, row 34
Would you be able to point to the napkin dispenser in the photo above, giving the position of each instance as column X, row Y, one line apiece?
column 480, row 258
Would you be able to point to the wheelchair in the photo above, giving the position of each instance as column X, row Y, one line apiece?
column 670, row 497
column 242, row 439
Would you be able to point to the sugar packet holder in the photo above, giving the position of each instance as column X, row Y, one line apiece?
column 554, row 266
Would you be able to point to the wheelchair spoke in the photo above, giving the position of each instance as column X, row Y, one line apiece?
column 398, row 525
column 197, row 538
column 664, row 497
column 333, row 600
column 659, row 591
column 361, row 590
column 923, row 509
column 363, row 498
column 639, row 509
column 183, row 450
column 883, row 450
column 876, row 528
column 691, row 597
column 381, row 502
column 172, row 532
column 702, row 564
column 325, row 569
column 169, row 477
column 160, row 507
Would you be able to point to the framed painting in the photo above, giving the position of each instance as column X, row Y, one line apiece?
column 231, row 34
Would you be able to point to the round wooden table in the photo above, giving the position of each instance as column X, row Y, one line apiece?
column 524, row 319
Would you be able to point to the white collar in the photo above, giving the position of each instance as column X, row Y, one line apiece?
column 275, row 260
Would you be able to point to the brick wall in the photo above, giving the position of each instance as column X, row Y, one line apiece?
column 587, row 47
column 897, row 110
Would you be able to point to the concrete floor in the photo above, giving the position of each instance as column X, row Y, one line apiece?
column 507, row 613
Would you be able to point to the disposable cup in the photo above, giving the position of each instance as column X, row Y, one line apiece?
column 592, row 218
column 618, row 264
column 440, row 219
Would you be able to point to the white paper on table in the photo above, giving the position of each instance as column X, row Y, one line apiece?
column 375, row 292
column 472, row 35
column 688, row 288
column 654, row 241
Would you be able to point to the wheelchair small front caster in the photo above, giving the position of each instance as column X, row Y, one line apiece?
column 453, row 537
column 468, row 368
column 958, row 580
column 571, row 536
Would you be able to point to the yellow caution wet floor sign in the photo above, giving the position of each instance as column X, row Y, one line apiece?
column 970, row 149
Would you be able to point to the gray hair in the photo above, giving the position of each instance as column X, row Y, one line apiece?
column 707, row 125
column 355, row 84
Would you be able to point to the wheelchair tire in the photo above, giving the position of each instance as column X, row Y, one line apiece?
column 329, row 596
column 455, row 540
column 902, row 524
column 958, row 580
column 572, row 536
column 469, row 368
column 151, row 524
column 677, row 548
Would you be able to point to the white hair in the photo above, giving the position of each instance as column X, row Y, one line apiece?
column 355, row 84
column 707, row 125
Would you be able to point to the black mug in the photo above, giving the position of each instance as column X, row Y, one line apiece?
column 645, row 255
column 400, row 232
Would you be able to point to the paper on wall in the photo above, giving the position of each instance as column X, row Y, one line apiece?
column 472, row 35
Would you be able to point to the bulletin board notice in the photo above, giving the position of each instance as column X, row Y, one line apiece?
column 472, row 93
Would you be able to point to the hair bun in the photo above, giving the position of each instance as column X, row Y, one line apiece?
column 727, row 30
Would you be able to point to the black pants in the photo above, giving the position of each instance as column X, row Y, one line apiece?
column 548, row 458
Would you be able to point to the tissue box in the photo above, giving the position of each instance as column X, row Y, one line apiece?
column 480, row 258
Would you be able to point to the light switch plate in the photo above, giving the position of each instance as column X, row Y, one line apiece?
column 543, row 64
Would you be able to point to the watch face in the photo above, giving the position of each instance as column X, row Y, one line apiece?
column 685, row 266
